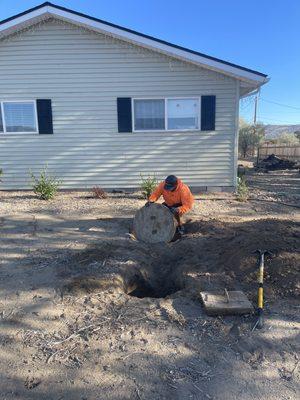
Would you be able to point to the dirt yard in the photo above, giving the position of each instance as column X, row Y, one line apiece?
column 89, row 313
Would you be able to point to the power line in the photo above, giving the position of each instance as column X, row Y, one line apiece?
column 247, row 100
column 276, row 120
column 279, row 104
column 246, row 106
column 273, row 119
column 251, row 102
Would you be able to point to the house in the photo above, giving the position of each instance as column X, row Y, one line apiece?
column 101, row 104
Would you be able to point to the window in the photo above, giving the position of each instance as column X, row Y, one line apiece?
column 149, row 115
column 18, row 117
column 183, row 114
column 170, row 114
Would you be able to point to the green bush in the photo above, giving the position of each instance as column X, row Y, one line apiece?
column 148, row 184
column 242, row 192
column 45, row 186
column 250, row 137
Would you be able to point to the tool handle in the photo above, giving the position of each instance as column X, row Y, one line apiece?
column 260, row 297
column 260, row 293
column 260, row 321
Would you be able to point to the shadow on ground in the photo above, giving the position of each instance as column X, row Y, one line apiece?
column 70, row 280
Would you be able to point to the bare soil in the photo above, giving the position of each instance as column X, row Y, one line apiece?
column 88, row 312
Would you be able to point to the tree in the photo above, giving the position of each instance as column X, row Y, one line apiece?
column 297, row 134
column 288, row 138
column 250, row 137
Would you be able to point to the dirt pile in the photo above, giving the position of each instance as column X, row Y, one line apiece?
column 234, row 244
column 272, row 163
column 213, row 254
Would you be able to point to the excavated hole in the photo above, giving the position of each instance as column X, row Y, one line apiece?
column 140, row 275
column 142, row 288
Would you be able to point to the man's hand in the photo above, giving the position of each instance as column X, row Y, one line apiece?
column 148, row 203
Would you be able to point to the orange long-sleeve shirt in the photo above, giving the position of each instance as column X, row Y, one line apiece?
column 181, row 194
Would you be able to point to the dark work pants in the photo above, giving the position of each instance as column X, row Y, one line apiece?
column 177, row 216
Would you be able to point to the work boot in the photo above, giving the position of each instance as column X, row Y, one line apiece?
column 180, row 230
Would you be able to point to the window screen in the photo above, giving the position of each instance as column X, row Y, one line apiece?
column 19, row 116
column 149, row 114
column 183, row 114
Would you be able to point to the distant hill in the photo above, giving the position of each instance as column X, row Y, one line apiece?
column 273, row 131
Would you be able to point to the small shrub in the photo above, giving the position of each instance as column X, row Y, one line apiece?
column 99, row 193
column 241, row 171
column 242, row 192
column 148, row 184
column 45, row 186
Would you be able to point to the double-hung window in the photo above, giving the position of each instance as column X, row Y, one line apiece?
column 18, row 117
column 167, row 114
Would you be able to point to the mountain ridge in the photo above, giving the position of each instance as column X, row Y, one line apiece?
column 274, row 131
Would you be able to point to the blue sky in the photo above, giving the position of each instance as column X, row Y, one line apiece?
column 262, row 34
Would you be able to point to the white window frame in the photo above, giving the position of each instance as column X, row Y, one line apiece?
column 166, row 113
column 19, row 133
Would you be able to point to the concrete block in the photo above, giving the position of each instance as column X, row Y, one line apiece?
column 228, row 189
column 214, row 189
column 225, row 303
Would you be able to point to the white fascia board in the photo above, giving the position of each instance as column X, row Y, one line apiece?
column 20, row 22
column 250, row 90
column 48, row 11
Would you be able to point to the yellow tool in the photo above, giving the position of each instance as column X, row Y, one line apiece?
column 260, row 295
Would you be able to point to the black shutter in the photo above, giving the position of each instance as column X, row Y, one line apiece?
column 124, row 114
column 208, row 113
column 44, row 113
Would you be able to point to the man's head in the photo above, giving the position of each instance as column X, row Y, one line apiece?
column 171, row 182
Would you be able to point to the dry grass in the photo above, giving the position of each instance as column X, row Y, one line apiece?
column 99, row 192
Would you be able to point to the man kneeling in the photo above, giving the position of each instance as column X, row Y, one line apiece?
column 178, row 197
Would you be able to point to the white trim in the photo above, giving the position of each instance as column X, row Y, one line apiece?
column 166, row 114
column 2, row 118
column 132, row 114
column 215, row 65
column 236, row 135
column 19, row 133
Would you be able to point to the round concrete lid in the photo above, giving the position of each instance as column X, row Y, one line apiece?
column 154, row 224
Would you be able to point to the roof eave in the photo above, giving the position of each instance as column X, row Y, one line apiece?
column 248, row 89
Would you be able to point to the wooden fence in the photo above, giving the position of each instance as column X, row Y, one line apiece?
column 288, row 152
